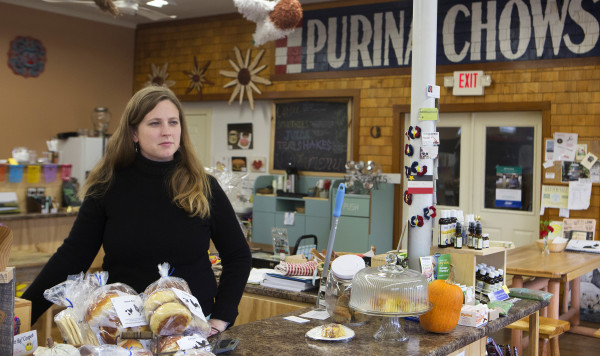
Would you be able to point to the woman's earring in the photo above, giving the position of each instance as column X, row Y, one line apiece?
column 136, row 146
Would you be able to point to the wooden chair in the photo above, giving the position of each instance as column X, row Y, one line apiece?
column 550, row 329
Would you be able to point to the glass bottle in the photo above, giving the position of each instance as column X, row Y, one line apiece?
column 452, row 235
column 471, row 234
column 478, row 237
column 458, row 236
column 486, row 240
column 480, row 281
column 444, row 223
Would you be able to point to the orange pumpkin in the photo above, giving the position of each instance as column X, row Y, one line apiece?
column 447, row 300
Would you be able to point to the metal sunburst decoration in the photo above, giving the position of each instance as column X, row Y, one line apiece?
column 245, row 75
column 197, row 77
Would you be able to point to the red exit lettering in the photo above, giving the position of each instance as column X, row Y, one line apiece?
column 467, row 80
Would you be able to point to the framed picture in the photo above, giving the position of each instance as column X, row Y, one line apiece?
column 238, row 164
column 239, row 136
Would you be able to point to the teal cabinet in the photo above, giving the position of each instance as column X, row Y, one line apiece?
column 366, row 220
column 352, row 234
column 311, row 215
column 262, row 223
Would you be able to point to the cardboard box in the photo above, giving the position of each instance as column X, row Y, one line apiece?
column 7, row 310
column 23, row 312
column 473, row 315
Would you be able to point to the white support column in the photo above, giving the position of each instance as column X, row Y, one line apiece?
column 424, row 35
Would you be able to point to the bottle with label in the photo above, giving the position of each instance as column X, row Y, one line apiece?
column 458, row 235
column 500, row 279
column 453, row 215
column 478, row 237
column 480, row 282
column 486, row 240
column 444, row 224
column 471, row 234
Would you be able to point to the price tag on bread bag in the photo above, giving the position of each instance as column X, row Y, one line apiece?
column 193, row 342
column 190, row 302
column 129, row 309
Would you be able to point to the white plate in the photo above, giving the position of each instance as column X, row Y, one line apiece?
column 316, row 332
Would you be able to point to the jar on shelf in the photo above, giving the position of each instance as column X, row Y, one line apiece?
column 339, row 285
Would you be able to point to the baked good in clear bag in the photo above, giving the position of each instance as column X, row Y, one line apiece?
column 189, row 344
column 170, row 308
column 101, row 315
column 73, row 294
column 109, row 350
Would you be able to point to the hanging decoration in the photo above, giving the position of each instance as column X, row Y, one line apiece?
column 197, row 77
column 245, row 75
column 274, row 19
column 416, row 220
column 409, row 150
column 159, row 76
column 413, row 133
column 407, row 197
column 27, row 56
column 429, row 212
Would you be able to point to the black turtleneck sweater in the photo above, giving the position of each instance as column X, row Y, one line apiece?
column 140, row 227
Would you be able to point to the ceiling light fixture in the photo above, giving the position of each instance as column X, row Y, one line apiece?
column 157, row 3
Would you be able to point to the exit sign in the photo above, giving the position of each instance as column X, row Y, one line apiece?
column 468, row 83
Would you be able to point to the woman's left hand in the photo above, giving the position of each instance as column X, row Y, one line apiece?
column 217, row 326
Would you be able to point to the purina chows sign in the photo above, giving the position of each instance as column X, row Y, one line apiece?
column 379, row 35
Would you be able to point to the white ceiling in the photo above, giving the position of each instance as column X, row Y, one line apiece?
column 183, row 9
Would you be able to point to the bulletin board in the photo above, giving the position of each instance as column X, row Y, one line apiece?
column 593, row 146
column 313, row 135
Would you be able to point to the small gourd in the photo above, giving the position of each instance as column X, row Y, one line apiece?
column 447, row 300
column 55, row 349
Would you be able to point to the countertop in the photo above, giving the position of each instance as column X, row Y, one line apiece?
column 276, row 336
column 28, row 216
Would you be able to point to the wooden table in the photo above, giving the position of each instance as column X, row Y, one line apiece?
column 557, row 267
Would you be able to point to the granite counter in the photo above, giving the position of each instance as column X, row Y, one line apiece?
column 275, row 335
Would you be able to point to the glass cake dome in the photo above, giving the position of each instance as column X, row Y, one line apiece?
column 390, row 291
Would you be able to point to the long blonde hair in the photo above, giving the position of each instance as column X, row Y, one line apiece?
column 189, row 183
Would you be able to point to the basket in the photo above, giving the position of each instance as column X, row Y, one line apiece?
column 559, row 247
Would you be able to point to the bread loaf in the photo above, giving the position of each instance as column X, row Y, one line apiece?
column 168, row 344
column 170, row 319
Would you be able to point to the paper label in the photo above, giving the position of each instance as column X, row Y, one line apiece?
column 428, row 114
column 433, row 91
column 430, row 138
column 296, row 319
column 190, row 302
column 316, row 314
column 129, row 309
column 428, row 152
column 25, row 343
column 193, row 342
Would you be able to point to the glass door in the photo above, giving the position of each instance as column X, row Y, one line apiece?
column 488, row 165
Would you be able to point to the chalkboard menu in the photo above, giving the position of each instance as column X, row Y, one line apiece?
column 311, row 135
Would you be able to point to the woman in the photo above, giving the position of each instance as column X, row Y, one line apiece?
column 149, row 201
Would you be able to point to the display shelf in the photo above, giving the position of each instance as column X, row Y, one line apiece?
column 469, row 251
column 465, row 260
